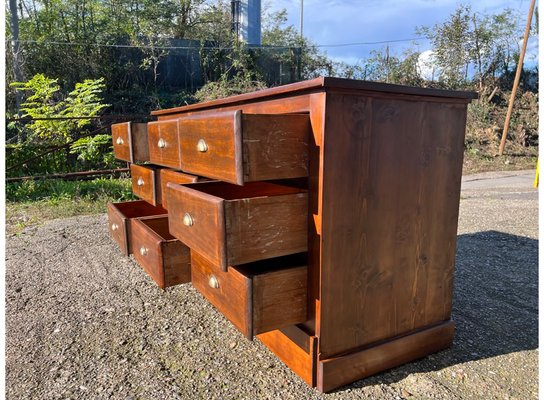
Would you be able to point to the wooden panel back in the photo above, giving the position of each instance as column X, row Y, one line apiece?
column 164, row 133
column 389, row 219
column 168, row 175
column 275, row 146
column 279, row 298
column 266, row 227
column 222, row 133
column 139, row 142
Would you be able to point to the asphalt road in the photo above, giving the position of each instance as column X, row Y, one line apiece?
column 85, row 322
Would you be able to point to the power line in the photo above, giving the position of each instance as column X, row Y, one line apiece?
column 45, row 42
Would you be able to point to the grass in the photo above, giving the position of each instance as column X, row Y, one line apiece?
column 32, row 202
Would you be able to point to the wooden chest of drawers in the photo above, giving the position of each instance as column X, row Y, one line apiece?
column 331, row 233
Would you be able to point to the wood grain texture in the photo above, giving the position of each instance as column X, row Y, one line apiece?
column 207, row 234
column 145, row 182
column 275, row 146
column 265, row 227
column 387, row 264
column 168, row 132
column 139, row 142
column 233, row 295
column 299, row 360
column 256, row 297
column 176, row 177
column 279, row 298
column 223, row 136
column 122, row 214
column 245, row 147
column 336, row 372
column 121, row 141
column 234, row 225
column 165, row 259
column 327, row 83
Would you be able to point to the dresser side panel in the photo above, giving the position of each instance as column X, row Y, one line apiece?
column 391, row 186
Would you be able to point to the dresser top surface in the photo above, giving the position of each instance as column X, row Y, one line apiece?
column 321, row 83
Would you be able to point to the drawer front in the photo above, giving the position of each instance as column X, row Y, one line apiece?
column 211, row 145
column 163, row 140
column 120, row 134
column 258, row 297
column 144, row 183
column 165, row 259
column 232, row 225
column 118, row 228
column 237, row 148
column 197, row 219
column 166, row 176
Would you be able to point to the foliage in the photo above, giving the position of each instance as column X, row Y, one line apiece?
column 90, row 150
column 467, row 40
column 44, row 101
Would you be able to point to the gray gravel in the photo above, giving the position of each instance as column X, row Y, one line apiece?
column 85, row 322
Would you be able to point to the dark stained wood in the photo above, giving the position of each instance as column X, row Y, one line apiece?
column 256, row 297
column 140, row 146
column 387, row 265
column 165, row 134
column 300, row 360
column 130, row 141
column 383, row 181
column 165, row 259
column 245, row 147
column 235, row 225
column 319, row 83
column 168, row 175
column 145, row 181
column 339, row 371
column 120, row 216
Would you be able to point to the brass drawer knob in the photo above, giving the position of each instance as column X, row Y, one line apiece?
column 202, row 146
column 143, row 251
column 119, row 141
column 140, row 181
column 188, row 220
column 213, row 282
column 114, row 226
column 161, row 143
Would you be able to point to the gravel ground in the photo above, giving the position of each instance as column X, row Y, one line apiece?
column 85, row 322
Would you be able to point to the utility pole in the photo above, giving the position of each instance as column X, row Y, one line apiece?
column 516, row 80
column 301, row 19
column 17, row 74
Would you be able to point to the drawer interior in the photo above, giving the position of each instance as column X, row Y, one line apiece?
column 229, row 191
column 159, row 226
column 138, row 208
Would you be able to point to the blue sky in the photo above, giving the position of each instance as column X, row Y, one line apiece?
column 351, row 21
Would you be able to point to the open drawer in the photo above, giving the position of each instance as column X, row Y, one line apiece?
column 130, row 141
column 257, row 297
column 232, row 225
column 235, row 147
column 162, row 256
column 120, row 218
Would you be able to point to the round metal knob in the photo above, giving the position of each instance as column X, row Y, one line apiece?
column 140, row 181
column 114, row 227
column 202, row 146
column 188, row 220
column 119, row 141
column 213, row 282
column 143, row 251
column 161, row 143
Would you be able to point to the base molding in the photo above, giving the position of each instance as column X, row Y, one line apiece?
column 335, row 372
